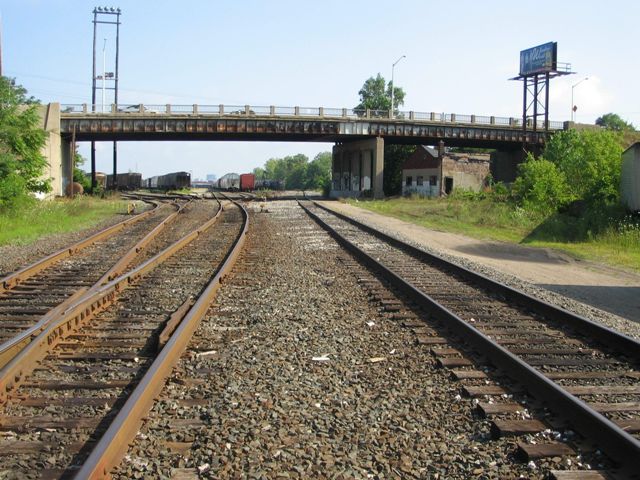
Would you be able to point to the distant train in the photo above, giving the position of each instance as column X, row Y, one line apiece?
column 229, row 182
column 269, row 185
column 170, row 181
column 125, row 181
column 247, row 182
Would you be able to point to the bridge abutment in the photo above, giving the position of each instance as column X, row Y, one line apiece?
column 58, row 151
column 357, row 169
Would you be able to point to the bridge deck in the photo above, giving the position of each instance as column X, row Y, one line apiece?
column 195, row 122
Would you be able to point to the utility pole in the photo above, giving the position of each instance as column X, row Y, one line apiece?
column 99, row 18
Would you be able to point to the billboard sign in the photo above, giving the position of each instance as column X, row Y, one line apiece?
column 540, row 59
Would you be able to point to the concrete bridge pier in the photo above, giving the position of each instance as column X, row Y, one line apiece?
column 504, row 164
column 58, row 150
column 357, row 169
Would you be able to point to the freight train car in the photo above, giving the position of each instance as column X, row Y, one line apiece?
column 170, row 181
column 230, row 182
column 247, row 182
column 269, row 184
column 125, row 181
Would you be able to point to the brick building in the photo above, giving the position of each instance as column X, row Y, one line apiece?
column 428, row 168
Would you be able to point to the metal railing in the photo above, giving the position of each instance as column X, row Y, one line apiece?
column 307, row 112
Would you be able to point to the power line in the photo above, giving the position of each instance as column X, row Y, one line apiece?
column 131, row 90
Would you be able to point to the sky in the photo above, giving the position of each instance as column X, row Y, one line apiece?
column 460, row 56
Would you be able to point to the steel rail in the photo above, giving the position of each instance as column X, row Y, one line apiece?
column 614, row 441
column 120, row 266
column 79, row 313
column 596, row 331
column 17, row 277
column 113, row 445
column 14, row 345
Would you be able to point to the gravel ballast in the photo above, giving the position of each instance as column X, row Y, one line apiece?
column 295, row 374
column 391, row 227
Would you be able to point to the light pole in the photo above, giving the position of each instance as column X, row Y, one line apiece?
column 573, row 107
column 392, row 67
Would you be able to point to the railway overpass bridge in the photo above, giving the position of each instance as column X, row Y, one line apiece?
column 359, row 136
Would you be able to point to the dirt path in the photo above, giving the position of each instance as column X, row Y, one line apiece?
column 611, row 289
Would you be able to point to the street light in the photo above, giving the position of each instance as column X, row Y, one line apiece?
column 392, row 67
column 573, row 107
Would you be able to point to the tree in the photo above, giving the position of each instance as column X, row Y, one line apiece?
column 79, row 176
column 319, row 171
column 259, row 173
column 540, row 185
column 394, row 158
column 612, row 121
column 375, row 94
column 22, row 163
column 591, row 162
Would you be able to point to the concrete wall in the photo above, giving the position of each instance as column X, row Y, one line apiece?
column 467, row 171
column 630, row 178
column 504, row 165
column 427, row 188
column 57, row 150
column 357, row 167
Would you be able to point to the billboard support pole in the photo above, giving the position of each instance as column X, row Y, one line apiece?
column 524, row 113
column 546, row 102
column 538, row 65
column 535, row 103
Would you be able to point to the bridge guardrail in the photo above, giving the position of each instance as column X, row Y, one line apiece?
column 313, row 112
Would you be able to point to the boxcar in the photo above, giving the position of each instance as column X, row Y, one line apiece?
column 174, row 181
column 125, row 181
column 170, row 181
column 247, row 182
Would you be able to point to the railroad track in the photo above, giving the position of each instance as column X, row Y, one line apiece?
column 98, row 367
column 35, row 294
column 584, row 372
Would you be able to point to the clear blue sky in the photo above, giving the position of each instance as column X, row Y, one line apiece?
column 460, row 55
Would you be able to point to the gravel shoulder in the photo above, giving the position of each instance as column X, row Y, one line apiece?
column 605, row 294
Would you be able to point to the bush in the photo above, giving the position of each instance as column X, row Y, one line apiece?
column 591, row 160
column 540, row 186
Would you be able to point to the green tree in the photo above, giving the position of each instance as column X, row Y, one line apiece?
column 394, row 158
column 319, row 171
column 22, row 163
column 591, row 162
column 79, row 176
column 540, row 185
column 259, row 173
column 295, row 168
column 612, row 121
column 375, row 94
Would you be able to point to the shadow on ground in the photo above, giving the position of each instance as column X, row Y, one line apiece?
column 518, row 253
column 619, row 300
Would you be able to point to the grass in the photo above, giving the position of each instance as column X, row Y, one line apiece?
column 58, row 216
column 607, row 235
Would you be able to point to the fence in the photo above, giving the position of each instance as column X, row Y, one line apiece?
column 306, row 112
